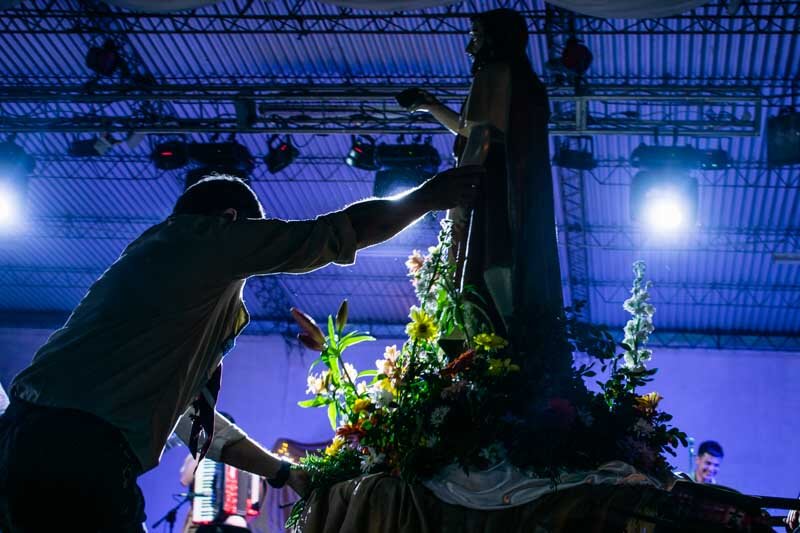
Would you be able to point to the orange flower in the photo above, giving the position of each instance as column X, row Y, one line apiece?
column 351, row 432
column 461, row 363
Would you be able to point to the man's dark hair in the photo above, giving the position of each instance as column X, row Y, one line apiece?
column 214, row 194
column 711, row 447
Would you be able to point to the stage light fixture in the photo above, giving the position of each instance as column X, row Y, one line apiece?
column 92, row 147
column 170, row 155
column 576, row 154
column 664, row 200
column 281, row 154
column 783, row 138
column 229, row 158
column 403, row 167
column 15, row 165
column 576, row 56
column 362, row 153
column 106, row 59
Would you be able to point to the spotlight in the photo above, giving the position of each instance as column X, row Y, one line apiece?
column 664, row 200
column 579, row 157
column 682, row 157
column 170, row 155
column 281, row 154
column 362, row 153
column 229, row 158
column 576, row 56
column 93, row 147
column 104, row 60
column 403, row 167
column 15, row 165
column 783, row 138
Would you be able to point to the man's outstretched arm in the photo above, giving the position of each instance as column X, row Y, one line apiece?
column 377, row 220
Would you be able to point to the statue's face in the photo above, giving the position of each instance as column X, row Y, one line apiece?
column 477, row 39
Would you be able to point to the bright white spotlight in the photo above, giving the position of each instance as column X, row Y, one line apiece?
column 664, row 201
column 664, row 212
column 10, row 208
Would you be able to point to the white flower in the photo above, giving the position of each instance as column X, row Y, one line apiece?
column 438, row 415
column 379, row 396
column 368, row 462
column 316, row 383
column 361, row 387
column 350, row 371
column 387, row 365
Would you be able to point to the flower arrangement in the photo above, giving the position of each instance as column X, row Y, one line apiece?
column 456, row 392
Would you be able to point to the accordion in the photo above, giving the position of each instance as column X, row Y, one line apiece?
column 222, row 490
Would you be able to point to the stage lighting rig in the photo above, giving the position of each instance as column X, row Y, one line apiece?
column 229, row 158
column 783, row 138
column 663, row 195
column 362, row 153
column 15, row 165
column 92, row 147
column 170, row 155
column 576, row 154
column 281, row 154
column 106, row 59
column 403, row 166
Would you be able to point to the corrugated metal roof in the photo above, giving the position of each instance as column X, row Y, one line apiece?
column 721, row 278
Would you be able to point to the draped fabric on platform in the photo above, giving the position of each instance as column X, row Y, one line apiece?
column 385, row 504
column 595, row 8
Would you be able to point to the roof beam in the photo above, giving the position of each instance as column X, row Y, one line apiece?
column 39, row 17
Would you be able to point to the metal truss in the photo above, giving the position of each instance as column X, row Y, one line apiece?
column 303, row 18
column 726, row 340
column 364, row 109
column 739, row 295
column 573, row 205
column 742, row 174
column 764, row 240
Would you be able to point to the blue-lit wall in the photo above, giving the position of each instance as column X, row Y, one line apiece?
column 748, row 401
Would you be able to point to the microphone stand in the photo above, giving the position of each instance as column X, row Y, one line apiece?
column 172, row 515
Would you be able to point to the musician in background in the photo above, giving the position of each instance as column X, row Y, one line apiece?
column 187, row 480
column 707, row 463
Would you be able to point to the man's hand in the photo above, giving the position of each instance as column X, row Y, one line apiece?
column 300, row 482
column 451, row 188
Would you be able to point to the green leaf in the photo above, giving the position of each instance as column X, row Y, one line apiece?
column 315, row 402
column 332, row 331
column 357, row 339
column 317, row 361
column 367, row 373
column 333, row 410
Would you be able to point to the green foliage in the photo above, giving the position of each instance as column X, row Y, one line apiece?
column 457, row 393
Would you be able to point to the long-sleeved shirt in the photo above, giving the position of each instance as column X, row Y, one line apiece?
column 150, row 331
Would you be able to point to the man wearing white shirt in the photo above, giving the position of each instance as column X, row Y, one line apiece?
column 145, row 345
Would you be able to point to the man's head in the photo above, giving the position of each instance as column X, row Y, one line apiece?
column 219, row 194
column 709, row 457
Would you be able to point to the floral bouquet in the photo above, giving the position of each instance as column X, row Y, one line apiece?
column 456, row 392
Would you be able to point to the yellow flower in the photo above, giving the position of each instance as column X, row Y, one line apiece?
column 422, row 326
column 648, row 403
column 335, row 446
column 361, row 405
column 490, row 341
column 500, row 367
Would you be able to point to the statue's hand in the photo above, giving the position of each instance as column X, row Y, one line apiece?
column 417, row 100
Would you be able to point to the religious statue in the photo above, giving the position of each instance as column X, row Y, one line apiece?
column 506, row 248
